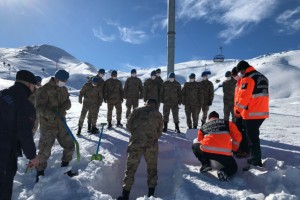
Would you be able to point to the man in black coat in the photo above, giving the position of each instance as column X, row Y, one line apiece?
column 17, row 116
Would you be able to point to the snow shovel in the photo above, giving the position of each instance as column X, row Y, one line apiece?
column 72, row 136
column 97, row 156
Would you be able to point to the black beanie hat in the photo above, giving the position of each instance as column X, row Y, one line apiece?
column 24, row 75
column 234, row 71
column 213, row 114
column 242, row 65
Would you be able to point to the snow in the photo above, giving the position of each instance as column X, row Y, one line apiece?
column 178, row 169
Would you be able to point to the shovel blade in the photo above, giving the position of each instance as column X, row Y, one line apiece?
column 96, row 157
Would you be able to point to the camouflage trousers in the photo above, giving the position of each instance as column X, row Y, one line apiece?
column 48, row 133
column 110, row 108
column 90, row 115
column 166, row 112
column 204, row 109
column 134, row 156
column 228, row 108
column 131, row 103
column 192, row 111
column 36, row 124
column 93, row 110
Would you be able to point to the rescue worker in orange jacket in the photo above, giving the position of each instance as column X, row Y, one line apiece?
column 252, row 104
column 243, row 150
column 217, row 139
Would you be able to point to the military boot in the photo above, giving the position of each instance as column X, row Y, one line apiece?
column 165, row 127
column 39, row 173
column 70, row 173
column 79, row 130
column 125, row 195
column 177, row 127
column 151, row 191
column 109, row 124
column 95, row 130
column 89, row 127
column 119, row 124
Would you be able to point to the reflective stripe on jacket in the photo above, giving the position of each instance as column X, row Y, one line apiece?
column 219, row 136
column 253, row 95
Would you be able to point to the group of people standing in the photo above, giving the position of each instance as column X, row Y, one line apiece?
column 195, row 96
column 245, row 97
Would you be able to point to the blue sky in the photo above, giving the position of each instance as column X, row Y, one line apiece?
column 125, row 34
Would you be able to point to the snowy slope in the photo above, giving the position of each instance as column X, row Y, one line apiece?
column 44, row 60
column 179, row 176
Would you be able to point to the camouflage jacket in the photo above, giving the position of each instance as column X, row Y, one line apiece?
column 192, row 94
column 133, row 88
column 113, row 91
column 145, row 125
column 91, row 94
column 170, row 93
column 151, row 89
column 52, row 100
column 228, row 90
column 208, row 91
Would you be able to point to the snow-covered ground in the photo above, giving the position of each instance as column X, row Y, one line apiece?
column 178, row 169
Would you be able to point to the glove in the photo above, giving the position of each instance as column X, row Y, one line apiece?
column 209, row 103
column 80, row 100
column 122, row 100
column 141, row 96
column 237, row 113
column 105, row 101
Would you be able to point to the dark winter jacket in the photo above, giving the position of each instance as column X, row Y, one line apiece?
column 17, row 118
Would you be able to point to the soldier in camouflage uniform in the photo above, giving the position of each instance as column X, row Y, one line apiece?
column 228, row 98
column 93, row 98
column 145, row 126
column 52, row 103
column 113, row 95
column 170, row 96
column 192, row 98
column 133, row 91
column 100, row 75
column 151, row 88
column 208, row 94
column 159, row 80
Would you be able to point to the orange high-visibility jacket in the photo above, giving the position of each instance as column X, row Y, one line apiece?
column 219, row 136
column 253, row 96
column 236, row 91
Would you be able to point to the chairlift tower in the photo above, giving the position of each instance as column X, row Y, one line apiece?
column 171, row 35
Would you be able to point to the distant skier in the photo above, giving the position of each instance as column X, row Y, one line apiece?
column 145, row 125
column 92, row 94
column 252, row 104
column 228, row 97
column 170, row 96
column 192, row 98
column 52, row 104
column 133, row 91
column 217, row 139
column 17, row 118
column 113, row 94
column 208, row 94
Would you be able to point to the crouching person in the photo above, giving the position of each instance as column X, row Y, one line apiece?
column 217, row 139
column 145, row 125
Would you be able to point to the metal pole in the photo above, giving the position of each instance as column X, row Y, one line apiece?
column 171, row 35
